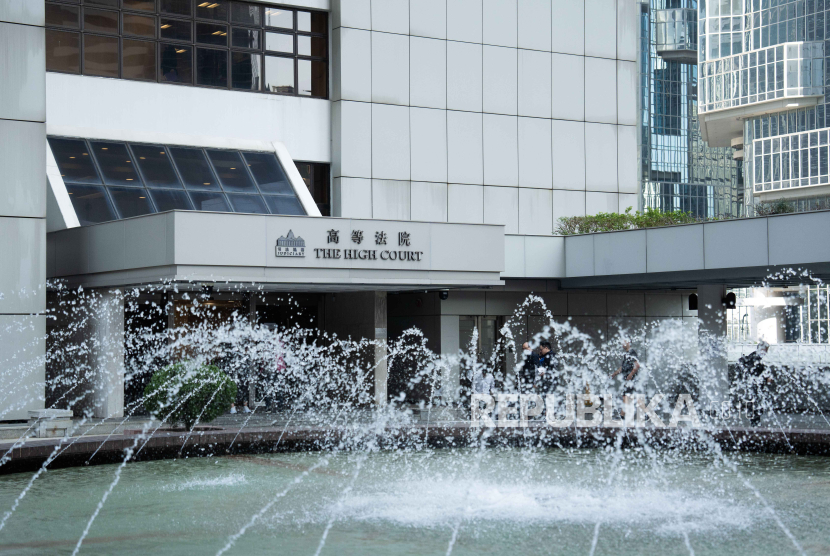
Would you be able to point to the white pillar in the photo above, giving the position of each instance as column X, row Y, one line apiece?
column 712, row 336
column 107, row 356
column 381, row 349
column 450, row 344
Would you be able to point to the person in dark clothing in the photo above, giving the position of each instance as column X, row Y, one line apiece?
column 754, row 381
column 629, row 366
column 527, row 374
column 546, row 371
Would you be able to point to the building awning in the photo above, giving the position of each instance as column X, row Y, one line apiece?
column 286, row 253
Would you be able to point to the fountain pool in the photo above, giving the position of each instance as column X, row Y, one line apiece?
column 492, row 501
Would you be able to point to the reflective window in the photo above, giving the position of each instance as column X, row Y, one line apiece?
column 155, row 166
column 131, row 201
column 91, row 204
column 279, row 204
column 268, row 173
column 233, row 175
column 167, row 199
column 116, row 163
column 220, row 43
column 176, row 64
column 74, row 162
column 194, row 168
column 316, row 178
column 212, row 67
column 145, row 178
column 248, row 203
column 63, row 51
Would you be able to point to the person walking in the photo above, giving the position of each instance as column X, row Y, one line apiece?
column 629, row 367
column 527, row 374
column 546, row 371
column 754, row 382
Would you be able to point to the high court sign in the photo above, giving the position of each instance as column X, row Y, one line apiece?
column 300, row 252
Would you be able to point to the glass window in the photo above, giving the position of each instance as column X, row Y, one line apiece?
column 116, row 163
column 268, row 173
column 212, row 67
column 247, row 203
column 246, row 38
column 280, row 204
column 203, row 200
column 194, row 168
column 138, row 60
column 246, row 71
column 90, row 203
column 108, row 3
column 279, row 74
column 311, row 46
column 311, row 78
column 131, row 201
column 175, row 29
column 279, row 17
column 74, row 161
column 176, row 63
column 100, row 21
column 246, row 14
column 63, row 51
column 139, row 25
column 178, row 7
column 319, row 23
column 316, row 178
column 214, row 9
column 144, row 5
column 231, row 170
column 101, row 56
column 211, row 33
column 166, row 199
column 279, row 42
column 304, row 21
column 61, row 15
column 155, row 166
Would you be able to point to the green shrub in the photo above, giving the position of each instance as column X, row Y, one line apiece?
column 779, row 206
column 610, row 221
column 191, row 393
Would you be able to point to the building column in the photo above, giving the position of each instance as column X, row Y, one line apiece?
column 712, row 339
column 381, row 349
column 22, row 208
column 450, row 344
column 107, row 354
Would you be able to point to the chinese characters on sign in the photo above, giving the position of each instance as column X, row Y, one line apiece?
column 381, row 238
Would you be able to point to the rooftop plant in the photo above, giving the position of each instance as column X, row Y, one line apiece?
column 628, row 220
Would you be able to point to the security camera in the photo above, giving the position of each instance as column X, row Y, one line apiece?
column 443, row 295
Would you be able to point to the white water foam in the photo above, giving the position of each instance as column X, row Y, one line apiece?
column 231, row 479
column 435, row 504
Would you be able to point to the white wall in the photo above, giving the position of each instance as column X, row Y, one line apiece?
column 85, row 106
column 516, row 112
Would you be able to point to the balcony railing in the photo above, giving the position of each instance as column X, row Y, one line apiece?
column 790, row 70
column 676, row 34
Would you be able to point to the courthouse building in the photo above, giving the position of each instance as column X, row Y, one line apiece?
column 390, row 163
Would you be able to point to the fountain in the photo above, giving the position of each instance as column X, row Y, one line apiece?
column 463, row 466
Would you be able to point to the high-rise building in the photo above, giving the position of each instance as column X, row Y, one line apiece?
column 679, row 171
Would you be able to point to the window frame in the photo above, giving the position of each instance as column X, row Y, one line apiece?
column 193, row 19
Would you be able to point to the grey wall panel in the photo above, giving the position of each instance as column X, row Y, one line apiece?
column 620, row 253
column 579, row 256
column 626, row 304
column 675, row 248
column 799, row 238
column 22, row 337
column 146, row 241
column 22, row 169
column 739, row 243
column 22, row 265
column 71, row 251
column 668, row 305
column 23, row 71
column 460, row 247
column 464, row 303
column 107, row 247
column 544, row 257
column 220, row 239
column 27, row 12
column 587, row 304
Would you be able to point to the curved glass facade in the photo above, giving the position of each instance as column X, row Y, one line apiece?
column 679, row 171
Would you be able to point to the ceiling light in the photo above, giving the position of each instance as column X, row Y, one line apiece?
column 143, row 157
column 165, row 26
column 213, row 5
column 70, row 193
column 233, row 168
column 86, row 154
column 206, row 183
column 203, row 4
column 142, row 197
column 71, row 157
column 104, row 148
column 129, row 179
column 178, row 51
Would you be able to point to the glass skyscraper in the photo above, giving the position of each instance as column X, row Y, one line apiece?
column 679, row 171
